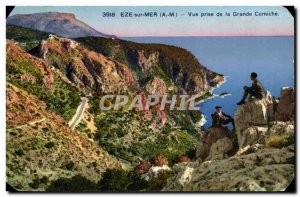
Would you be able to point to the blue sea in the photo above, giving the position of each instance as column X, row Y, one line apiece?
column 272, row 58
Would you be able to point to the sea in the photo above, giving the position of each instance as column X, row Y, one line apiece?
column 271, row 57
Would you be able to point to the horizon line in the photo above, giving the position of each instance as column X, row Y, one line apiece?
column 210, row 36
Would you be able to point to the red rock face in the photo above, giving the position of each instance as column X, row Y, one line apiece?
column 161, row 117
column 157, row 87
column 19, row 58
column 20, row 111
column 28, row 78
column 87, row 68
column 286, row 107
column 125, row 73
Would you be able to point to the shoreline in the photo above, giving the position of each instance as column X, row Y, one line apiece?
column 204, row 118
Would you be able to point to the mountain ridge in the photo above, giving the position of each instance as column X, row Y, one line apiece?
column 63, row 24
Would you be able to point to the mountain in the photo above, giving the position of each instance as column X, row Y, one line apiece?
column 62, row 24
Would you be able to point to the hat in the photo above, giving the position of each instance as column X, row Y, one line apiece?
column 218, row 107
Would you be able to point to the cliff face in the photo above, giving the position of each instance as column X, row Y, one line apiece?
column 63, row 24
column 148, row 60
column 85, row 68
column 260, row 156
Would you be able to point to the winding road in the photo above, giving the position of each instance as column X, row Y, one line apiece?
column 79, row 113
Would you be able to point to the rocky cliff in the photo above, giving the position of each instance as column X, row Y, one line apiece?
column 260, row 156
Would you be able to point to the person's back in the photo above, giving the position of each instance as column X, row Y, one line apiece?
column 258, row 89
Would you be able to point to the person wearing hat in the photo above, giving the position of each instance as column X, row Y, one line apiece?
column 256, row 90
column 220, row 118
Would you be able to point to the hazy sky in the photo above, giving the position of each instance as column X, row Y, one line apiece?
column 183, row 25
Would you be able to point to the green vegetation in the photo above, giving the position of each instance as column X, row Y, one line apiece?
column 122, row 181
column 204, row 97
column 62, row 98
column 186, row 120
column 154, row 71
column 38, row 181
column 27, row 38
column 77, row 183
column 280, row 141
column 114, row 181
column 115, row 127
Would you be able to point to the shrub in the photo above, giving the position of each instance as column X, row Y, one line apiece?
column 68, row 166
column 142, row 168
column 19, row 152
column 276, row 142
column 49, row 145
column 114, row 180
column 159, row 160
column 183, row 158
column 77, row 183
column 36, row 182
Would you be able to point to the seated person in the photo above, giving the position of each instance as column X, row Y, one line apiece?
column 256, row 90
column 220, row 118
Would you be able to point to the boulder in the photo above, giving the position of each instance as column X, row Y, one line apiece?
column 219, row 149
column 254, row 113
column 286, row 107
column 284, row 129
column 154, row 171
column 253, row 135
column 249, row 149
column 206, row 145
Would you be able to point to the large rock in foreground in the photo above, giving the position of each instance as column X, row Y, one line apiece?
column 266, row 170
column 215, row 144
column 255, row 113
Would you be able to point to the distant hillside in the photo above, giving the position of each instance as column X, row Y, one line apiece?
column 63, row 24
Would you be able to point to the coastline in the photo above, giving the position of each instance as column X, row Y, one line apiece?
column 204, row 118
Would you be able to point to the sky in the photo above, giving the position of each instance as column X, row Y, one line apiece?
column 182, row 25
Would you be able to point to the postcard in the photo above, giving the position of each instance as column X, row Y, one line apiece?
column 150, row 99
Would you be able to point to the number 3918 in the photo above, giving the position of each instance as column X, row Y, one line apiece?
column 108, row 14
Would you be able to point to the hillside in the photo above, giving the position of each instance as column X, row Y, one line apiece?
column 41, row 147
column 57, row 71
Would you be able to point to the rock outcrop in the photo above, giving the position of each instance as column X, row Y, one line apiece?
column 285, row 110
column 85, row 68
column 154, row 171
column 265, row 160
column 157, row 87
column 265, row 170
column 256, row 113
column 214, row 144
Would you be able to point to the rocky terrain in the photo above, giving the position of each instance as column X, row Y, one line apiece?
column 46, row 77
column 149, row 150
column 63, row 24
column 260, row 157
